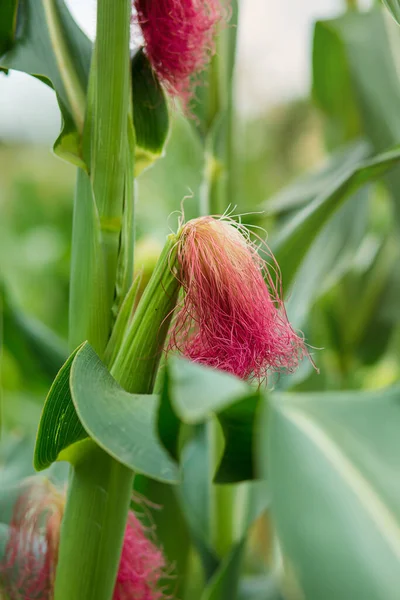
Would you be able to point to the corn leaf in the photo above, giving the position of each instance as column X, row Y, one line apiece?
column 332, row 464
column 193, row 395
column 393, row 7
column 297, row 235
column 85, row 401
column 46, row 35
column 150, row 113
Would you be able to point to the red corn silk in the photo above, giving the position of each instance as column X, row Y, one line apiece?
column 232, row 316
column 179, row 39
column 142, row 565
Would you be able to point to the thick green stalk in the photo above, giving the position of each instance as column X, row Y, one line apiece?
column 89, row 314
column 109, row 126
column 100, row 488
column 223, row 500
column 93, row 527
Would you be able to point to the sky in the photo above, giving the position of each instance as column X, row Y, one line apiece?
column 273, row 64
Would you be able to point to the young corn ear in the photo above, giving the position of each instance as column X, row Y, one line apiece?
column 232, row 316
column 142, row 565
column 179, row 39
column 29, row 565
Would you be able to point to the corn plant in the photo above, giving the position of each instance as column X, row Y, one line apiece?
column 223, row 417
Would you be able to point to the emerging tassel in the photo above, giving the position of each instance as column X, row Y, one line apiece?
column 232, row 316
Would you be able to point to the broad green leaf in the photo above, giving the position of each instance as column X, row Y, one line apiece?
column 366, row 51
column 150, row 112
column 8, row 12
column 198, row 392
column 333, row 463
column 59, row 427
column 331, row 255
column 193, row 395
column 123, row 424
column 366, row 45
column 31, row 342
column 85, row 401
column 307, row 187
column 238, row 424
column 296, row 236
column 332, row 85
column 393, row 7
column 50, row 46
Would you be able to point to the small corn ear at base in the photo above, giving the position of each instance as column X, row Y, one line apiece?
column 28, row 568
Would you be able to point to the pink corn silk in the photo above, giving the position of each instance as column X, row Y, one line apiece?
column 179, row 39
column 232, row 316
column 142, row 565
column 28, row 566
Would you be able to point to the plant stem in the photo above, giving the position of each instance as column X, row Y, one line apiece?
column 89, row 314
column 223, row 501
column 107, row 148
column 100, row 488
column 93, row 528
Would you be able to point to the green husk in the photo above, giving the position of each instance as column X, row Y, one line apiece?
column 137, row 361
